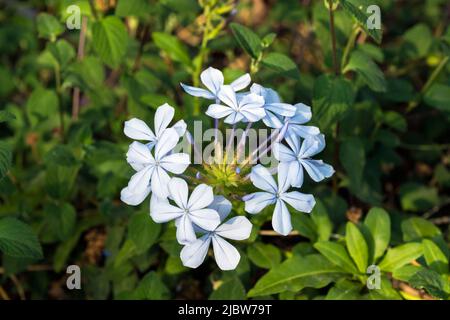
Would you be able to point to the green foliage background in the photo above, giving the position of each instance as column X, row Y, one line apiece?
column 381, row 97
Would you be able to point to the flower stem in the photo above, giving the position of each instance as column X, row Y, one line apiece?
column 350, row 45
column 333, row 38
column 80, row 54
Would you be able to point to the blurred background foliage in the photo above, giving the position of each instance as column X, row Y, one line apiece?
column 381, row 97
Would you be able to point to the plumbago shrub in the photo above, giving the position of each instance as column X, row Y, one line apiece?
column 225, row 150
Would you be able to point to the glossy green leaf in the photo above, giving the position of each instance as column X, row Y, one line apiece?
column 173, row 47
column 364, row 66
column 417, row 228
column 48, row 26
column 337, row 254
column 295, row 274
column 357, row 246
column 401, row 255
column 379, row 225
column 229, row 290
column 435, row 258
column 430, row 281
column 5, row 158
column 142, row 231
column 263, row 255
column 282, row 64
column 247, row 39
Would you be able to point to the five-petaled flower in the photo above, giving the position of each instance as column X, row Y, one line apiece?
column 273, row 193
column 188, row 211
column 298, row 156
column 226, row 255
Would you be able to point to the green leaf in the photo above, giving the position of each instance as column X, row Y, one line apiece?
column 151, row 287
column 110, row 40
column 319, row 216
column 418, row 41
column 62, row 51
column 395, row 120
column 304, row 225
column 295, row 274
column 357, row 246
column 155, row 100
column 127, row 8
column 18, row 239
column 61, row 219
column 173, row 47
column 435, row 258
column 5, row 158
column 364, row 66
column 353, row 158
column 142, row 231
column 361, row 18
column 430, row 281
column 6, row 116
column 282, row 64
column 337, row 255
column 41, row 105
column 379, row 225
column 332, row 98
column 263, row 255
column 416, row 197
column 438, row 96
column 399, row 256
column 229, row 290
column 247, row 39
column 48, row 26
column 417, row 228
column 406, row 272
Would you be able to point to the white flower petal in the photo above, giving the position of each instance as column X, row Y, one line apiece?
column 138, row 130
column 296, row 173
column 299, row 201
column 293, row 141
column 317, row 169
column 228, row 96
column 193, row 254
column 198, row 92
column 272, row 121
column 282, row 109
column 141, row 179
column 201, row 197
column 178, row 189
column 283, row 153
column 175, row 162
column 163, row 211
column 222, row 206
column 258, row 201
column 269, row 95
column 185, row 230
column 207, row 219
column 166, row 143
column 134, row 198
column 160, row 182
column 281, row 219
column 241, row 83
column 302, row 131
column 237, row 228
column 139, row 156
column 262, row 179
column 234, row 117
column 180, row 127
column 302, row 114
column 212, row 79
column 163, row 116
column 285, row 177
column 310, row 147
column 227, row 256
column 218, row 111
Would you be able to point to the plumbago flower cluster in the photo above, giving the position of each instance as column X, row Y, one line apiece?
column 200, row 216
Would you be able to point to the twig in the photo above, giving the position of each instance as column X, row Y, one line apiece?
column 333, row 37
column 19, row 287
column 3, row 294
column 80, row 55
column 273, row 233
column 93, row 9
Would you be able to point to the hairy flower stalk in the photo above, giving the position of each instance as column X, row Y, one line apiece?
column 200, row 211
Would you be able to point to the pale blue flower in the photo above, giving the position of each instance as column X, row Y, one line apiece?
column 138, row 130
column 226, row 255
column 296, row 123
column 187, row 212
column 298, row 156
column 213, row 81
column 278, row 195
column 247, row 107
column 275, row 109
column 152, row 170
